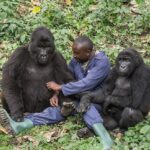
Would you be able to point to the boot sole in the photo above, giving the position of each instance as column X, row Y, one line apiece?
column 4, row 121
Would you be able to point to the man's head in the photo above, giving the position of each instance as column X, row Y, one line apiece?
column 82, row 49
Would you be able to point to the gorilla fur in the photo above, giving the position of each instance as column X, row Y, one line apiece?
column 27, row 71
column 126, row 94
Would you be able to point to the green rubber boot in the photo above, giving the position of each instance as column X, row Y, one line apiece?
column 10, row 125
column 100, row 130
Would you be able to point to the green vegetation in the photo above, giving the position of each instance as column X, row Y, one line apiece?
column 111, row 24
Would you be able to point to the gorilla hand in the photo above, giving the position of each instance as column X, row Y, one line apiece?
column 68, row 108
column 84, row 103
column 82, row 107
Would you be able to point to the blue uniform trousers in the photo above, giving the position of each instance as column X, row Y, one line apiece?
column 52, row 115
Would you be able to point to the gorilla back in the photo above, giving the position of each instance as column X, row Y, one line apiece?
column 27, row 71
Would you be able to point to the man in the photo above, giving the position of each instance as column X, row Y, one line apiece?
column 90, row 69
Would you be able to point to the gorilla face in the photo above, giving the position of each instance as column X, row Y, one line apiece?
column 42, row 46
column 41, row 54
column 128, row 61
column 125, row 65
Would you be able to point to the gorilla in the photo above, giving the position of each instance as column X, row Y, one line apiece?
column 125, row 95
column 27, row 71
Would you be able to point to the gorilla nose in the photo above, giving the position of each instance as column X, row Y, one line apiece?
column 123, row 67
column 43, row 56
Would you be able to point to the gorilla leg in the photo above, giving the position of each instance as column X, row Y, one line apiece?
column 109, row 122
column 130, row 117
column 4, row 103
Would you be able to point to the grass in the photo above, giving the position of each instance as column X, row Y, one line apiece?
column 62, row 136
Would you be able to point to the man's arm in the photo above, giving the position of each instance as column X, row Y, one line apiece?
column 94, row 77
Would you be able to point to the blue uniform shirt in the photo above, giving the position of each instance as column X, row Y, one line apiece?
column 89, row 79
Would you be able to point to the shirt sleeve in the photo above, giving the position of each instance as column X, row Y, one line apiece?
column 94, row 77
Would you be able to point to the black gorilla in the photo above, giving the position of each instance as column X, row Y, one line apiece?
column 126, row 93
column 27, row 71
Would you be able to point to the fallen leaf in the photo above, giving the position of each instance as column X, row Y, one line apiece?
column 93, row 7
column 17, row 148
column 27, row 138
column 51, row 136
column 36, row 2
column 117, row 133
column 68, row 2
column 54, row 134
column 3, row 130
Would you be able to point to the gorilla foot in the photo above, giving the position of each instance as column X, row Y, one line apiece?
column 82, row 107
column 70, row 104
column 84, row 133
column 68, row 108
column 130, row 117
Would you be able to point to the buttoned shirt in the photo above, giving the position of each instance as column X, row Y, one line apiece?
column 89, row 78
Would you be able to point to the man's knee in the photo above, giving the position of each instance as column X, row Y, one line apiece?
column 92, row 116
column 130, row 117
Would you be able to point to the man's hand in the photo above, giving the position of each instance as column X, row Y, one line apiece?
column 54, row 101
column 53, row 86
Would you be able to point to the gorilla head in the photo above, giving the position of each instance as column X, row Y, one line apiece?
column 41, row 47
column 127, row 61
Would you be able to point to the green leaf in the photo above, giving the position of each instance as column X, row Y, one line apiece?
column 139, row 1
column 22, row 39
column 145, row 129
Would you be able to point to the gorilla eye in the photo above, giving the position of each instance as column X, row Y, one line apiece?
column 124, row 59
column 127, row 59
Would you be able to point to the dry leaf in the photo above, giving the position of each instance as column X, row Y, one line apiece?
column 51, row 136
column 36, row 2
column 17, row 148
column 27, row 138
column 93, row 7
column 54, row 134
column 2, row 45
column 68, row 2
column 3, row 130
column 119, row 135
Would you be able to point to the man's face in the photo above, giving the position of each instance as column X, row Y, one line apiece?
column 80, row 53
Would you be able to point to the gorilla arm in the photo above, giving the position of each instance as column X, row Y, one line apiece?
column 99, row 95
column 88, row 97
column 61, row 70
column 11, row 84
column 109, row 84
column 139, row 83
